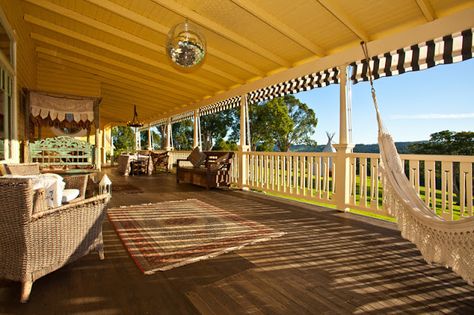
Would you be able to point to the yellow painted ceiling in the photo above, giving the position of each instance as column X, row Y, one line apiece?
column 115, row 48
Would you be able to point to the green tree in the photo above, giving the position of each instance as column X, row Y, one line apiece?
column 281, row 122
column 214, row 127
column 156, row 139
column 183, row 135
column 446, row 142
column 226, row 145
column 123, row 139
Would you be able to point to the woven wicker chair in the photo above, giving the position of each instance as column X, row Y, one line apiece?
column 33, row 244
column 22, row 169
column 71, row 181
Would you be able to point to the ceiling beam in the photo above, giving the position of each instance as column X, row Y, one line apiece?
column 221, row 30
column 103, row 69
column 121, row 34
column 139, row 71
column 333, row 8
column 279, row 26
column 427, row 10
column 117, row 50
column 111, row 79
column 153, row 25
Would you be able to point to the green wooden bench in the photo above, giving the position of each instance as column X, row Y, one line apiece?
column 62, row 151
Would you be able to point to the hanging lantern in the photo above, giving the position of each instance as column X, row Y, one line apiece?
column 185, row 46
column 135, row 123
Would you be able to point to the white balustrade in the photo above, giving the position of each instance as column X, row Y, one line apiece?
column 444, row 182
column 302, row 175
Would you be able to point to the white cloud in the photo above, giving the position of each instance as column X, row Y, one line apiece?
column 432, row 116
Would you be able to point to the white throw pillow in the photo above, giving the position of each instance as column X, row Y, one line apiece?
column 70, row 194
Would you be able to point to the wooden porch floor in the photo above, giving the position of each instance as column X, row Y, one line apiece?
column 328, row 262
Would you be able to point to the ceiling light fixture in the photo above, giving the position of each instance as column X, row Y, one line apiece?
column 135, row 123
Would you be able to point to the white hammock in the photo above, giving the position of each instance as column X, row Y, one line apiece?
column 450, row 243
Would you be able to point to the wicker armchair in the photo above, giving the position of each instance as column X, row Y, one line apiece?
column 22, row 169
column 33, row 244
column 71, row 181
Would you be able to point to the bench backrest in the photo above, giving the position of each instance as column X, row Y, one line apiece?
column 62, row 151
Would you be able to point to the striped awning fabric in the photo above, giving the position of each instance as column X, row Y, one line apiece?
column 304, row 83
column 220, row 106
column 443, row 50
column 180, row 117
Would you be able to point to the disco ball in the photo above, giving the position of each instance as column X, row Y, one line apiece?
column 185, row 46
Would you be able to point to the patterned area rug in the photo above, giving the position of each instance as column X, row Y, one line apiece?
column 161, row 236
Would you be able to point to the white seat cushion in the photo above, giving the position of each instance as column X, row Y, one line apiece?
column 70, row 194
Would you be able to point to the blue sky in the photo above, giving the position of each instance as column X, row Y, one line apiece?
column 413, row 105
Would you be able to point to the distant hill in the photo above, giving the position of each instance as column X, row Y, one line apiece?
column 402, row 147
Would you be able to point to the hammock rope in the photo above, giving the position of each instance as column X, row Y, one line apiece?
column 450, row 243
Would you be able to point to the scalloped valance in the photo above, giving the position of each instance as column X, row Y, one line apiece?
column 62, row 108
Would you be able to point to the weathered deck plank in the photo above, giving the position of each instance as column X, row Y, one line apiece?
column 327, row 263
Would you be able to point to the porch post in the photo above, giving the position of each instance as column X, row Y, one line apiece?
column 97, row 135
column 98, row 148
column 103, row 147
column 168, row 135
column 244, row 145
column 108, row 144
column 196, row 130
column 138, row 145
column 342, row 189
column 149, row 146
column 111, row 143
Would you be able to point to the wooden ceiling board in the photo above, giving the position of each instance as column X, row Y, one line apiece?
column 443, row 8
column 317, row 25
column 115, row 80
column 123, row 68
column 232, row 17
column 153, row 60
column 120, row 109
column 239, row 51
column 153, row 95
column 106, row 77
column 135, row 93
column 163, row 30
column 127, row 70
column 377, row 16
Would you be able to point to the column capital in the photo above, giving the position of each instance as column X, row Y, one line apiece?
column 344, row 148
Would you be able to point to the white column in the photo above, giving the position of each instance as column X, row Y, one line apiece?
column 244, row 145
column 149, row 145
column 108, row 143
column 168, row 135
column 103, row 147
column 342, row 160
column 196, row 130
column 138, row 145
column 15, row 147
column 98, row 150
